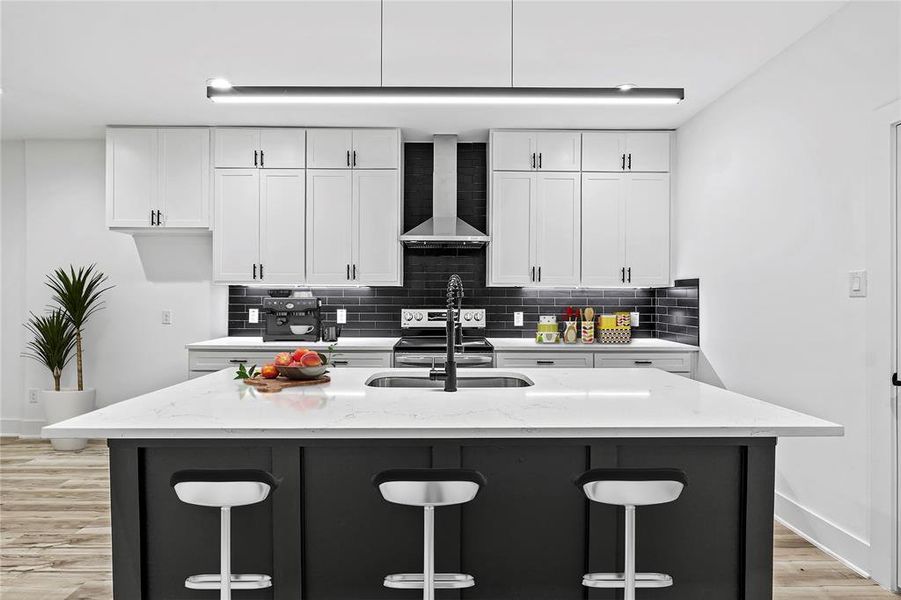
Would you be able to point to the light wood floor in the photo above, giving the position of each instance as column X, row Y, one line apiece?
column 55, row 534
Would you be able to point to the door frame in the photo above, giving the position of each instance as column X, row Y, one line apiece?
column 896, row 346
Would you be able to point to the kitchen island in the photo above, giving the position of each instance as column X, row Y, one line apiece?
column 327, row 533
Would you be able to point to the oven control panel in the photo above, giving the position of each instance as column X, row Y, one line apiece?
column 436, row 318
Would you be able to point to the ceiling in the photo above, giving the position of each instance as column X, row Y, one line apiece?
column 69, row 68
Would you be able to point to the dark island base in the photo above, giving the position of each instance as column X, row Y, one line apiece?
column 326, row 533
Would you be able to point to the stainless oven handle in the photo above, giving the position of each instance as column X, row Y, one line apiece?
column 465, row 359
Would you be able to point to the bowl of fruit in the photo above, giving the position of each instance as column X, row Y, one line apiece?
column 301, row 364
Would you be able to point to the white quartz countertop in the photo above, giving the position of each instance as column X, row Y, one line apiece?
column 257, row 343
column 639, row 344
column 562, row 403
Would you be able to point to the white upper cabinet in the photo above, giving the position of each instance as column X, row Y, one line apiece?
column 275, row 148
column 157, row 178
column 236, row 235
column 626, row 151
column 603, row 229
column 377, row 253
column 536, row 150
column 417, row 36
column 557, row 229
column 329, row 226
column 511, row 252
column 353, row 148
column 282, row 225
column 647, row 229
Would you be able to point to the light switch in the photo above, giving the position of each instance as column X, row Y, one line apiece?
column 167, row 317
column 857, row 284
column 253, row 315
column 341, row 316
column 517, row 319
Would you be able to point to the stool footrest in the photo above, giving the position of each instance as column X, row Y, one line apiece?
column 443, row 581
column 618, row 580
column 213, row 581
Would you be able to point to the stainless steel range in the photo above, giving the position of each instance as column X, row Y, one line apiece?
column 424, row 343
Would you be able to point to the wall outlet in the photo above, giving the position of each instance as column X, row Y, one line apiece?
column 635, row 318
column 167, row 316
column 32, row 396
column 341, row 316
column 857, row 284
column 253, row 315
column 517, row 319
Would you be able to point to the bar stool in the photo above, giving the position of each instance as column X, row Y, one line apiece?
column 224, row 489
column 630, row 488
column 429, row 488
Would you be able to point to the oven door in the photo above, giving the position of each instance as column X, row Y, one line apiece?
column 464, row 361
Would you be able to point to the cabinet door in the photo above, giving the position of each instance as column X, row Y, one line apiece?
column 375, row 149
column 512, row 219
column 604, row 151
column 559, row 150
column 329, row 226
column 236, row 147
column 184, row 177
column 603, row 229
column 282, row 148
column 282, row 225
column 513, row 151
column 647, row 151
column 329, row 148
column 376, row 225
column 236, row 235
column 544, row 360
column 557, row 229
column 131, row 176
column 647, row 229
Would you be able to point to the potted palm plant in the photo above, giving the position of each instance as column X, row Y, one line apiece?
column 52, row 345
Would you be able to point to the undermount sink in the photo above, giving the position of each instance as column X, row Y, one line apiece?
column 503, row 380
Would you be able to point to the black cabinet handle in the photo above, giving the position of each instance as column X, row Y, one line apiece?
column 152, row 215
column 539, row 274
column 544, row 362
column 624, row 162
column 895, row 380
column 348, row 158
column 339, row 362
column 237, row 361
column 539, row 160
column 353, row 271
column 355, row 158
column 630, row 161
column 623, row 275
column 533, row 273
column 533, row 160
column 254, row 270
column 643, row 362
column 159, row 217
column 348, row 272
column 261, row 159
column 254, row 158
column 261, row 270
column 630, row 274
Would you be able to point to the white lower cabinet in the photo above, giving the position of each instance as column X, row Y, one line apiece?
column 537, row 359
column 204, row 362
column 680, row 363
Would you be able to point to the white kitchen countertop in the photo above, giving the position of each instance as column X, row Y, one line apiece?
column 641, row 344
column 257, row 343
column 563, row 403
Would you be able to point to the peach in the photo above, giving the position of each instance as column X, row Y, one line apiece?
column 283, row 359
column 311, row 359
column 269, row 371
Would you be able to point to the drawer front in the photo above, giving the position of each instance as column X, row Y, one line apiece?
column 209, row 361
column 372, row 360
column 559, row 360
column 673, row 362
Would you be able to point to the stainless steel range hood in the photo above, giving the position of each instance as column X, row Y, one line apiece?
column 444, row 229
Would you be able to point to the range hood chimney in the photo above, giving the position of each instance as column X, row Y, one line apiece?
column 444, row 229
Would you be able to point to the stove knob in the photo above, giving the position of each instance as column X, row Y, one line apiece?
column 418, row 316
column 408, row 316
column 289, row 305
column 467, row 316
column 478, row 316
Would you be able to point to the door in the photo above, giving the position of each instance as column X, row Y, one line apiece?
column 647, row 151
column 647, row 229
column 375, row 149
column 604, row 151
column 131, row 176
column 329, row 148
column 376, row 225
column 559, row 150
column 184, row 177
column 603, row 229
column 557, row 229
column 511, row 249
column 329, row 226
column 236, row 235
column 236, row 147
column 282, row 225
column 513, row 151
column 282, row 148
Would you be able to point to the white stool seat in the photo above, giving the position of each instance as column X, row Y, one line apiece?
column 618, row 580
column 442, row 581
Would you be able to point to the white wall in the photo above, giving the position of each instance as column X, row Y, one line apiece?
column 770, row 212
column 127, row 350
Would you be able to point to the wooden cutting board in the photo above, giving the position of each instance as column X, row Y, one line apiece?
column 276, row 385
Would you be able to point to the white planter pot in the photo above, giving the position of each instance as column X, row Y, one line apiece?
column 63, row 405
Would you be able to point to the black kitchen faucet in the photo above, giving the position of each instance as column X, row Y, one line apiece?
column 454, row 333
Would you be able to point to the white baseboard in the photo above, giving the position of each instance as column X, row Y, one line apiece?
column 824, row 534
column 23, row 428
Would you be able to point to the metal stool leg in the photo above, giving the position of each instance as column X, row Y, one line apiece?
column 225, row 549
column 428, row 553
column 629, row 593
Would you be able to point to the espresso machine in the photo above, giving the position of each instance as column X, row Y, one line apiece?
column 290, row 319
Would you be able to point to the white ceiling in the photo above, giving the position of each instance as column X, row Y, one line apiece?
column 69, row 68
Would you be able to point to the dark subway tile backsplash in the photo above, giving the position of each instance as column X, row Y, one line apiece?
column 375, row 311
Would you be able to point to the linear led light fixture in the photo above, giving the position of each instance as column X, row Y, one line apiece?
column 440, row 95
